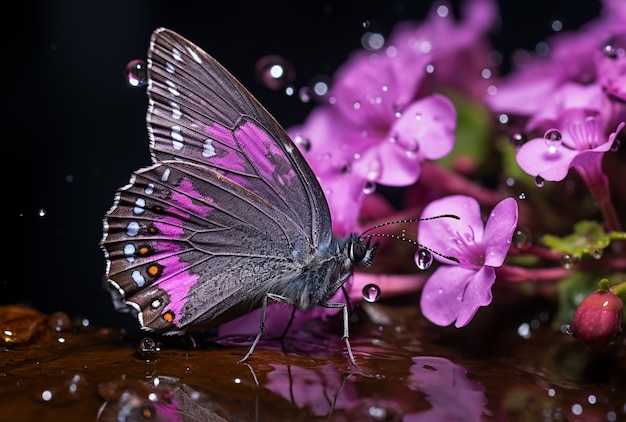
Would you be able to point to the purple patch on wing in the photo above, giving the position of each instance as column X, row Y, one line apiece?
column 269, row 159
column 230, row 158
column 176, row 280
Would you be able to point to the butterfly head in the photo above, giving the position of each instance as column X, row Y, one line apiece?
column 361, row 251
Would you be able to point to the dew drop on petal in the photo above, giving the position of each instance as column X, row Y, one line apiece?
column 371, row 293
column 369, row 188
column 412, row 147
column 553, row 139
column 609, row 51
column 374, row 170
column 136, row 72
column 423, row 259
column 539, row 181
column 42, row 212
column 522, row 196
column 275, row 72
column 345, row 168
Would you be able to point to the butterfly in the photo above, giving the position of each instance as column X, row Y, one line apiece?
column 229, row 216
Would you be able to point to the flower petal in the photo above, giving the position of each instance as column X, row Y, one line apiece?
column 438, row 234
column 455, row 293
column 535, row 158
column 499, row 231
column 426, row 127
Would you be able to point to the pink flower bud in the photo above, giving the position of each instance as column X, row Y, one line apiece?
column 598, row 319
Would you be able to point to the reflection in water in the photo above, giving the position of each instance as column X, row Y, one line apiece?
column 435, row 390
column 453, row 395
column 321, row 390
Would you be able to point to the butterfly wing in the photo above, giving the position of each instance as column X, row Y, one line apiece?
column 199, row 113
column 229, row 208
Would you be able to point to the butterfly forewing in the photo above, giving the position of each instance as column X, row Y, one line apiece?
column 200, row 113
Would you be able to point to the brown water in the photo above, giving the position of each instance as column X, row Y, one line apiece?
column 509, row 364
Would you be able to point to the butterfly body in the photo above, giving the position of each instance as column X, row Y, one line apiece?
column 229, row 214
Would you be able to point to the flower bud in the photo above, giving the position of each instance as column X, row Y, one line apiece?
column 598, row 319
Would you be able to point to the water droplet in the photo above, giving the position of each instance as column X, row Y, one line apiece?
column 147, row 350
column 423, row 259
column 374, row 170
column 553, row 139
column 503, row 118
column 320, row 86
column 136, row 72
column 522, row 238
column 345, row 168
column 567, row 261
column 610, row 51
column 59, row 321
column 371, row 293
column 566, row 329
column 369, row 188
column 596, row 253
column 366, row 24
column 356, row 105
column 518, row 139
column 304, row 94
column 522, row 196
column 539, row 181
column 372, row 41
column 304, row 144
column 42, row 212
column 275, row 72
column 412, row 147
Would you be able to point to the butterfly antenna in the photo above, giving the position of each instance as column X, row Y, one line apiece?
column 403, row 235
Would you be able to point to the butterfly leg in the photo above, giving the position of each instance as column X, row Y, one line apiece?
column 276, row 298
column 346, row 335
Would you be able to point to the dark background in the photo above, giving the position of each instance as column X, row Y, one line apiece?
column 75, row 130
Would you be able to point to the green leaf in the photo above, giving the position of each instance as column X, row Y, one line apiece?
column 588, row 238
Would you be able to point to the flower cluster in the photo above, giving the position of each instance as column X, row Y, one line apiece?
column 428, row 114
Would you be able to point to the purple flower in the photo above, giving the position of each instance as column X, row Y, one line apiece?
column 578, row 139
column 455, row 291
column 592, row 55
column 444, row 45
column 367, row 136
column 382, row 117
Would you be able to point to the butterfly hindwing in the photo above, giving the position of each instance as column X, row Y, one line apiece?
column 188, row 259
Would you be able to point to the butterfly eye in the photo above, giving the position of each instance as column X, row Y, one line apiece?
column 358, row 250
